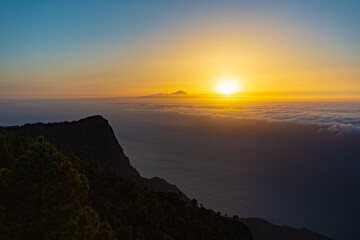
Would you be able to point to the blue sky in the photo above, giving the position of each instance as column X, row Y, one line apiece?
column 37, row 34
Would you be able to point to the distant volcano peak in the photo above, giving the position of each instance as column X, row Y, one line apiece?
column 168, row 95
column 179, row 93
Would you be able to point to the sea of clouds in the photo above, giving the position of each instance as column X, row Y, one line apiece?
column 338, row 117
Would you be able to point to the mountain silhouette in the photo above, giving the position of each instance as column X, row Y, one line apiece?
column 168, row 95
column 179, row 93
column 92, row 138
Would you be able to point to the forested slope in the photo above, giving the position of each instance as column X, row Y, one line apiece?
column 46, row 194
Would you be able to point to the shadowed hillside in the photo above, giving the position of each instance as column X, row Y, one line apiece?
column 262, row 229
column 46, row 194
column 92, row 138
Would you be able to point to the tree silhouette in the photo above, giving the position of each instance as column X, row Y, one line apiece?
column 45, row 194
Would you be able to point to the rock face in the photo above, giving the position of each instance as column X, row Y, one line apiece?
column 92, row 138
column 263, row 230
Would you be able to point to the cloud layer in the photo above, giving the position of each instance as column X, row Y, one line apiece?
column 337, row 117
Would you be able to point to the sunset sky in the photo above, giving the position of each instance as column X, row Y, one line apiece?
column 75, row 49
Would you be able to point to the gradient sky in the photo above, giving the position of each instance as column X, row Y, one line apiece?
column 129, row 48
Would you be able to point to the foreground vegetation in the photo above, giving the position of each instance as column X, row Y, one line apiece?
column 45, row 194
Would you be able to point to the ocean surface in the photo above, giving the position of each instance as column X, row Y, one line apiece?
column 292, row 163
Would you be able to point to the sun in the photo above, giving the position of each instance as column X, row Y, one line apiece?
column 227, row 86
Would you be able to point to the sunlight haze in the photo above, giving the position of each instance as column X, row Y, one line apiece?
column 310, row 54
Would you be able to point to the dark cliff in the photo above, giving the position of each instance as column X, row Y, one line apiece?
column 46, row 194
column 92, row 138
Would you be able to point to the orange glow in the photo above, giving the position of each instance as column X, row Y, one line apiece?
column 275, row 63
